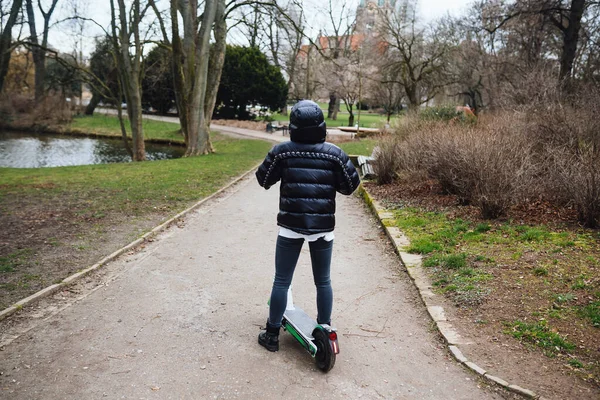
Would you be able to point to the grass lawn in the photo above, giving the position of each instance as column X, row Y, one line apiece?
column 132, row 187
column 360, row 147
column 545, row 279
column 60, row 220
column 366, row 120
column 109, row 125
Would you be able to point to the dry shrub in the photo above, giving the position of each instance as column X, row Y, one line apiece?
column 564, row 129
column 530, row 90
column 575, row 176
column 21, row 103
column 6, row 110
column 487, row 165
column 52, row 109
column 339, row 139
column 387, row 159
column 549, row 148
column 495, row 166
column 567, row 136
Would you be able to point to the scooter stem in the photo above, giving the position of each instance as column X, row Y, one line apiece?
column 290, row 300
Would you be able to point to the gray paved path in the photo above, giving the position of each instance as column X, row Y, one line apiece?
column 230, row 130
column 179, row 320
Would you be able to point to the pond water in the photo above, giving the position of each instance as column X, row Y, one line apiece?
column 29, row 150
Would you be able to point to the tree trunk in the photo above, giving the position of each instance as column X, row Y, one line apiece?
column 351, row 117
column 91, row 107
column 570, row 40
column 129, row 68
column 6, row 40
column 336, row 110
column 284, row 110
column 134, row 112
column 191, row 69
column 124, row 130
column 38, row 53
column 198, row 139
column 177, row 61
column 413, row 100
column 215, row 68
column 307, row 83
column 290, row 83
column 39, row 63
column 332, row 109
column 39, row 49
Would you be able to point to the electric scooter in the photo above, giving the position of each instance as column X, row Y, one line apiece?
column 319, row 339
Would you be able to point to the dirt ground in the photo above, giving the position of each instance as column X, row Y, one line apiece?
column 515, row 296
column 46, row 244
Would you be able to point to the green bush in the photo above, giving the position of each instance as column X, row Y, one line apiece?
column 440, row 113
column 446, row 113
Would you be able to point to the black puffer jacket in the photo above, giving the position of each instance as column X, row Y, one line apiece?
column 310, row 174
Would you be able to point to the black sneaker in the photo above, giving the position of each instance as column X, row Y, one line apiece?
column 269, row 339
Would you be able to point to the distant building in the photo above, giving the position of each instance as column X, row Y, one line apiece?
column 369, row 15
column 365, row 34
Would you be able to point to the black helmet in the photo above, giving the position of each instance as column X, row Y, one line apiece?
column 307, row 124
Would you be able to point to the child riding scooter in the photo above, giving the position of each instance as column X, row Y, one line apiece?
column 311, row 172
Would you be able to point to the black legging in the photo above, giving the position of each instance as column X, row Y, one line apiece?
column 286, row 258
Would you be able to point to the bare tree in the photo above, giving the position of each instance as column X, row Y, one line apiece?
column 77, row 25
column 129, row 66
column 197, row 64
column 338, row 43
column 284, row 34
column 587, row 63
column 309, row 68
column 565, row 16
column 191, row 61
column 215, row 65
column 387, row 93
column 417, row 56
column 6, row 45
column 469, row 63
column 254, row 23
column 39, row 48
column 344, row 77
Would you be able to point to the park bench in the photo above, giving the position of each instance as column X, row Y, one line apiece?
column 277, row 126
column 366, row 169
column 360, row 132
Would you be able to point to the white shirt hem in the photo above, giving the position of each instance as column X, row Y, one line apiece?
column 290, row 234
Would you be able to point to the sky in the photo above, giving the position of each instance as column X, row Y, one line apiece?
column 433, row 9
column 65, row 37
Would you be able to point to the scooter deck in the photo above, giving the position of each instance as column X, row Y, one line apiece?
column 301, row 321
column 301, row 326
